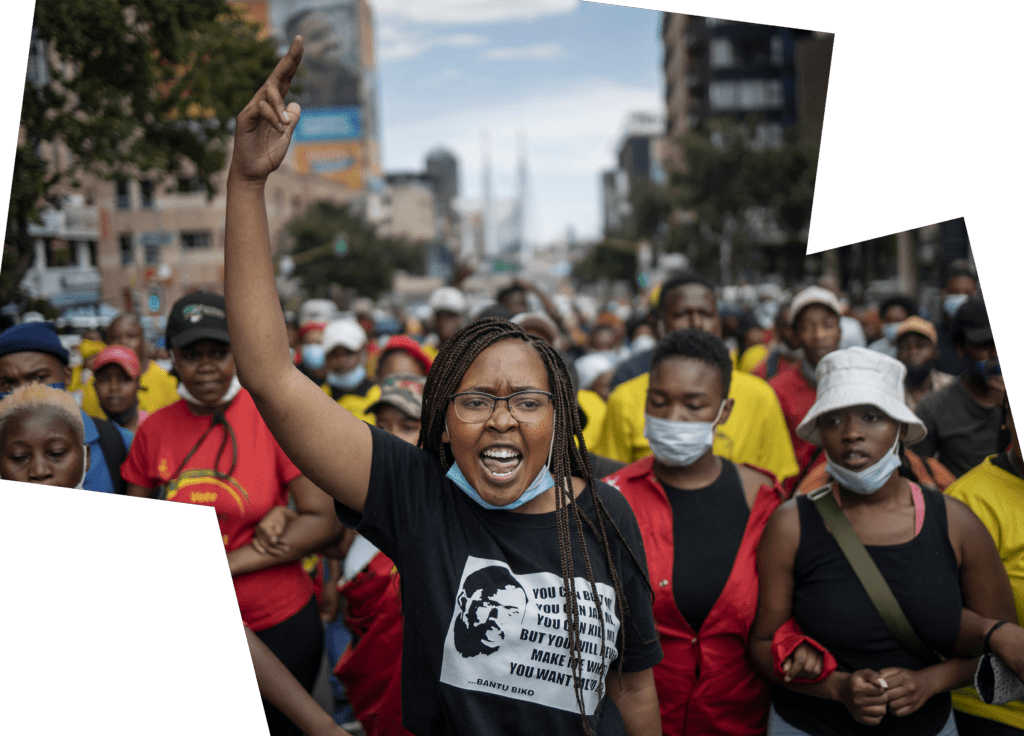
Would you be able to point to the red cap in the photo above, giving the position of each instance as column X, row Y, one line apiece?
column 122, row 356
column 406, row 343
column 310, row 326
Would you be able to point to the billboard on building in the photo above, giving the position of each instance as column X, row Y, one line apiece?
column 332, row 69
column 341, row 161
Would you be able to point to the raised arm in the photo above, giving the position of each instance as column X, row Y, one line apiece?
column 330, row 446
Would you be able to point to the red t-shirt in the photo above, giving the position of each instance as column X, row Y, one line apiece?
column 258, row 483
column 706, row 682
column 796, row 396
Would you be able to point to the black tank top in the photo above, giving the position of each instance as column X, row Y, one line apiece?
column 831, row 606
column 708, row 525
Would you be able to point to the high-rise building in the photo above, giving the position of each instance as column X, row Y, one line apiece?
column 722, row 68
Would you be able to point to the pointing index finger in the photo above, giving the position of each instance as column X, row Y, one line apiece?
column 284, row 72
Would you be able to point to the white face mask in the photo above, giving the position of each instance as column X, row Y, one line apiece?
column 680, row 444
column 232, row 391
column 867, row 481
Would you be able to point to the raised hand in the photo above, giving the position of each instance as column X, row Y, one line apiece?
column 264, row 128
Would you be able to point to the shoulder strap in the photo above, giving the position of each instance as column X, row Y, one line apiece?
column 112, row 444
column 870, row 576
column 772, row 366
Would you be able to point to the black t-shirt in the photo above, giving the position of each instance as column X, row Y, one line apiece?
column 961, row 432
column 484, row 647
column 708, row 525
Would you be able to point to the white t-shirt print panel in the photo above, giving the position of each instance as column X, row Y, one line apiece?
column 508, row 636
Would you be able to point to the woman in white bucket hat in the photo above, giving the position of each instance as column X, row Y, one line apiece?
column 932, row 551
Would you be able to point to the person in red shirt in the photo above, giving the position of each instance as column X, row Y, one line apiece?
column 212, row 448
column 701, row 518
column 786, row 350
column 815, row 318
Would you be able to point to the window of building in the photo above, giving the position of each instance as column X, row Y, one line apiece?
column 778, row 50
column 721, row 53
column 146, row 193
column 127, row 249
column 197, row 240
column 123, row 199
column 152, row 254
column 746, row 94
column 90, row 249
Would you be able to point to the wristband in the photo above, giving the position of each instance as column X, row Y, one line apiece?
column 988, row 636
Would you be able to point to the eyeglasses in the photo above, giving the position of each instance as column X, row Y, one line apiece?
column 474, row 407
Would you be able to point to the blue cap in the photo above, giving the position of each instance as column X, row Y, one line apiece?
column 33, row 337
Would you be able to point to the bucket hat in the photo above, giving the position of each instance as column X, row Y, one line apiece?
column 857, row 376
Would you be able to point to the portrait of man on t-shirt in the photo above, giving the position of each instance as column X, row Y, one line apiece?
column 490, row 602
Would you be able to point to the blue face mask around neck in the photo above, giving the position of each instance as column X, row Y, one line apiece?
column 541, row 483
column 867, row 481
column 348, row 380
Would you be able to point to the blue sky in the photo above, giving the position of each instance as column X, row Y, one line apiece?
column 564, row 72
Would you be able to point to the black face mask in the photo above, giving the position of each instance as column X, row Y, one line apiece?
column 916, row 375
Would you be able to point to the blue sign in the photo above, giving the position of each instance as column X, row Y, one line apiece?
column 329, row 124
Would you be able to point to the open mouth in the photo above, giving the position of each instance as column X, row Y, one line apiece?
column 501, row 463
column 855, row 459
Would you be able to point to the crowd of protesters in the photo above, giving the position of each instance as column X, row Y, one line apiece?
column 537, row 513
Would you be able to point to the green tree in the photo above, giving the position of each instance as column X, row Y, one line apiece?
column 753, row 198
column 614, row 260
column 131, row 86
column 365, row 263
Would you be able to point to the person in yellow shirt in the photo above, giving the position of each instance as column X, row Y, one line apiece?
column 594, row 372
column 993, row 490
column 348, row 383
column 157, row 388
column 755, row 433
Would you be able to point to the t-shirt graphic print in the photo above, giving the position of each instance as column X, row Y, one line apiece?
column 508, row 636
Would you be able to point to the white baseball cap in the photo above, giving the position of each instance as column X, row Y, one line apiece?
column 347, row 333
column 448, row 299
column 857, row 376
column 813, row 295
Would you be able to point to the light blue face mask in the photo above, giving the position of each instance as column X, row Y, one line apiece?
column 889, row 330
column 867, row 481
column 313, row 356
column 541, row 483
column 346, row 381
column 952, row 303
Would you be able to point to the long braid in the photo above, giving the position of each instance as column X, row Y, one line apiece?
column 569, row 457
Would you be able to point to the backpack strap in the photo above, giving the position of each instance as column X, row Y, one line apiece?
column 114, row 452
column 867, row 572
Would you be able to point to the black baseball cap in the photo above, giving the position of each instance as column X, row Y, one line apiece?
column 970, row 323
column 195, row 317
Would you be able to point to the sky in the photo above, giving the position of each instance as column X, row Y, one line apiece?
column 565, row 73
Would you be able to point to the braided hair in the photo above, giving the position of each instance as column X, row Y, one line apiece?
column 568, row 458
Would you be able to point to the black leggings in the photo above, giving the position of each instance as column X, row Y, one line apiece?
column 975, row 726
column 298, row 642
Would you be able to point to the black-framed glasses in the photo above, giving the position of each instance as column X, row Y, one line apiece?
column 476, row 407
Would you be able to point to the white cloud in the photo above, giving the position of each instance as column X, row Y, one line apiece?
column 448, row 12
column 402, row 43
column 538, row 51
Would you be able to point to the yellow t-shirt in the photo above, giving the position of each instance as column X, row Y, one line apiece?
column 157, row 389
column 752, row 356
column 755, row 432
column 358, row 404
column 593, row 408
column 997, row 497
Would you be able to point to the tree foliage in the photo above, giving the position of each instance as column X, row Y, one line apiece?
column 131, row 87
column 368, row 264
column 734, row 189
column 614, row 260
